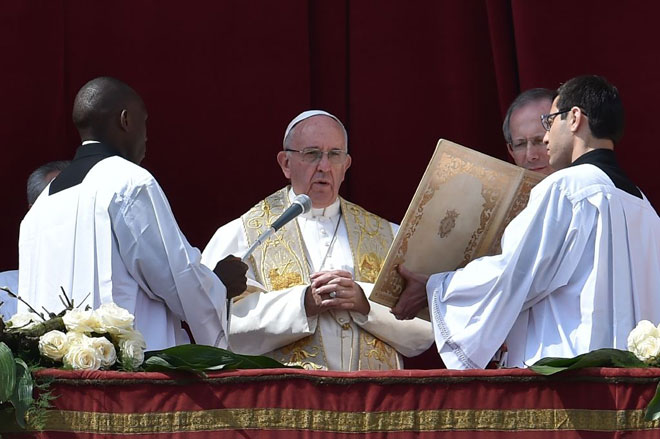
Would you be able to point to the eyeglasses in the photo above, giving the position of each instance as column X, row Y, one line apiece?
column 315, row 155
column 547, row 119
column 521, row 144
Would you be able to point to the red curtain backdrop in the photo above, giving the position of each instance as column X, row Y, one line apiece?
column 221, row 80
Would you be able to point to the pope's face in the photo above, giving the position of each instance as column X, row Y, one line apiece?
column 527, row 147
column 321, row 179
column 559, row 140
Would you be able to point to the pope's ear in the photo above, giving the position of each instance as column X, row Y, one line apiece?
column 349, row 160
column 283, row 160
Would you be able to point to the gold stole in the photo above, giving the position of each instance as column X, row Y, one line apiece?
column 281, row 263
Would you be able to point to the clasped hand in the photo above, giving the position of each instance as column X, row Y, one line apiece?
column 335, row 289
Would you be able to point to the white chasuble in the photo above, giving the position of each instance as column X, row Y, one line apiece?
column 270, row 318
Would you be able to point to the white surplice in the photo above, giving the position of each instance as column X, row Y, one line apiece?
column 263, row 322
column 114, row 236
column 8, row 279
column 580, row 267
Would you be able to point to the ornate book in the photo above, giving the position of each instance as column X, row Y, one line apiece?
column 458, row 213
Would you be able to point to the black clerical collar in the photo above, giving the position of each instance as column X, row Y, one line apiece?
column 86, row 157
column 605, row 160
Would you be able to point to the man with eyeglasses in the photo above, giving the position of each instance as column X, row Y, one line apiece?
column 306, row 302
column 580, row 265
column 523, row 131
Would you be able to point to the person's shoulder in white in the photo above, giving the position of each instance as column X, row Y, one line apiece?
column 8, row 279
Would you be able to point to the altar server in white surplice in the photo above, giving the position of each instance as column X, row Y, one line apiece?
column 306, row 301
column 580, row 265
column 105, row 227
column 36, row 183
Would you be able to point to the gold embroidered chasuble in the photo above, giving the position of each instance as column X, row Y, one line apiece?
column 281, row 262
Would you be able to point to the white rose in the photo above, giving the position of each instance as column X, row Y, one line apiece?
column 23, row 320
column 132, row 335
column 83, row 356
column 114, row 319
column 644, row 341
column 78, row 320
column 641, row 331
column 105, row 349
column 76, row 338
column 132, row 346
column 648, row 350
column 53, row 345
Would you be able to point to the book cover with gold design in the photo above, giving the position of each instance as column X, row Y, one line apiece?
column 458, row 213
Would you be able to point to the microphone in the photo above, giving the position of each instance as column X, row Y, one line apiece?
column 301, row 204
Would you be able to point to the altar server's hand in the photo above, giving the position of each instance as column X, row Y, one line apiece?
column 338, row 290
column 231, row 271
column 413, row 298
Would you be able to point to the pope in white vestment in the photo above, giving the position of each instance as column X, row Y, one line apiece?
column 331, row 254
column 265, row 321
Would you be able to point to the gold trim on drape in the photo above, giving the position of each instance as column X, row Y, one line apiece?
column 348, row 422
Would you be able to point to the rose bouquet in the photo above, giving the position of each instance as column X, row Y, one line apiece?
column 89, row 339
column 79, row 339
column 74, row 339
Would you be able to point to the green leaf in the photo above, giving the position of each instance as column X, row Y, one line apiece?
column 159, row 364
column 653, row 409
column 204, row 358
column 22, row 396
column 606, row 357
column 7, row 373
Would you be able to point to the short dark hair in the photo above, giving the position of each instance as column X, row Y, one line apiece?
column 37, row 182
column 524, row 98
column 600, row 101
column 98, row 99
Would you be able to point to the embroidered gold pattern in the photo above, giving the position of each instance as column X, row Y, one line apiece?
column 295, row 354
column 280, row 279
column 279, row 264
column 370, row 264
column 342, row 421
column 378, row 350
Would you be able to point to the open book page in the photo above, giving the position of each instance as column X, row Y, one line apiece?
column 458, row 213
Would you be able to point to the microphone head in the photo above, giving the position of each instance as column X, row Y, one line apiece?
column 304, row 201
